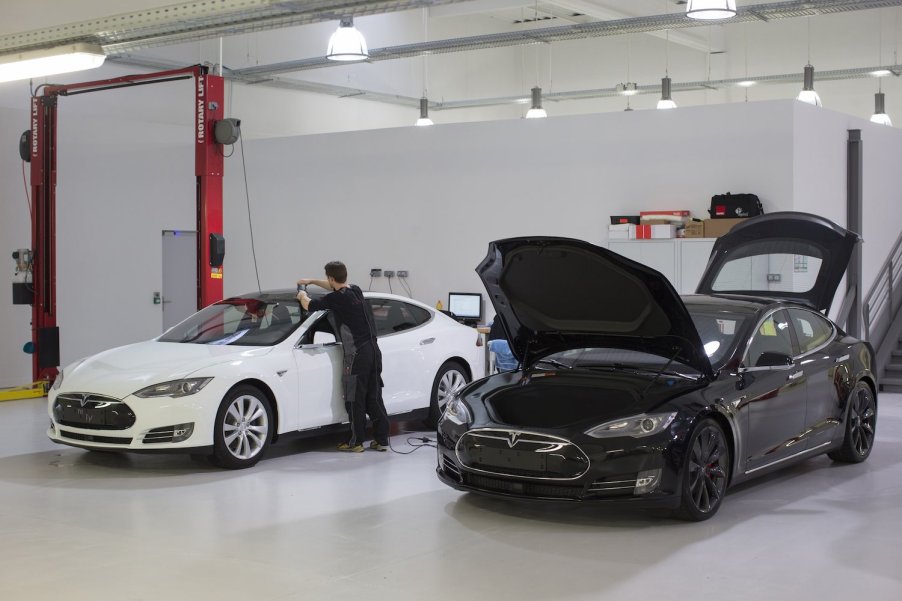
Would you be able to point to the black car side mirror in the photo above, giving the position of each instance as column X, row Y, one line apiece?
column 769, row 359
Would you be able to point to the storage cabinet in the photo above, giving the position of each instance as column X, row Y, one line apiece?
column 681, row 260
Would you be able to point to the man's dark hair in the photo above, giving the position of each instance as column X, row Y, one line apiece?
column 337, row 271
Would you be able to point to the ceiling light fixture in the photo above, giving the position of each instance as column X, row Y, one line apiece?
column 711, row 9
column 627, row 89
column 50, row 61
column 881, row 72
column 880, row 115
column 424, row 113
column 536, row 111
column 666, row 102
column 808, row 95
column 747, row 83
column 347, row 43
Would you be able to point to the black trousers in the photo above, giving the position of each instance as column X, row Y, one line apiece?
column 367, row 398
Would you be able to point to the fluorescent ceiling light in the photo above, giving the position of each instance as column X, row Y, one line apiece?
column 347, row 43
column 808, row 95
column 880, row 115
column 747, row 84
column 627, row 89
column 711, row 9
column 881, row 72
column 50, row 61
column 424, row 114
column 536, row 112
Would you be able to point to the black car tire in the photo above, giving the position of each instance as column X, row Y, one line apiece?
column 861, row 424
column 706, row 472
column 243, row 428
column 450, row 375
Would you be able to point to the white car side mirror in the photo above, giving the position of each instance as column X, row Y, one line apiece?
column 323, row 338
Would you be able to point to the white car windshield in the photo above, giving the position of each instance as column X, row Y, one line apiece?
column 242, row 321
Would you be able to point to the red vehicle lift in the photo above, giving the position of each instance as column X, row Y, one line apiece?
column 208, row 109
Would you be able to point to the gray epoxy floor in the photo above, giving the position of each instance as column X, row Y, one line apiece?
column 309, row 523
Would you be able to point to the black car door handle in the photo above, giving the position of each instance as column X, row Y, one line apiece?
column 427, row 341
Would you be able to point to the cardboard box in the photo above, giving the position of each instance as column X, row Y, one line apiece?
column 694, row 229
column 651, row 232
column 620, row 219
column 622, row 231
column 715, row 228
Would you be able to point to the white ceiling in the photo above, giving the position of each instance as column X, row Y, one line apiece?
column 495, row 77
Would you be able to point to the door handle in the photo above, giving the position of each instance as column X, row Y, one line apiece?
column 841, row 359
column 426, row 341
column 796, row 375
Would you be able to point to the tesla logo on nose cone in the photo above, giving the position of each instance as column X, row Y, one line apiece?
column 84, row 400
column 512, row 439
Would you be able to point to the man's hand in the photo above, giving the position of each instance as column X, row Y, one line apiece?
column 304, row 282
column 303, row 299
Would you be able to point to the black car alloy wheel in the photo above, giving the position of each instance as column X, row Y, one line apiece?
column 706, row 472
column 861, row 425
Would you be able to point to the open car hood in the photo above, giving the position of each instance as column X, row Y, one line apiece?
column 555, row 294
column 789, row 255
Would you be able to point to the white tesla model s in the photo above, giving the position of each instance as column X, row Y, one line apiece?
column 230, row 379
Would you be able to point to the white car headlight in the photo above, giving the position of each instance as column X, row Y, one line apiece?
column 457, row 411
column 174, row 388
column 635, row 426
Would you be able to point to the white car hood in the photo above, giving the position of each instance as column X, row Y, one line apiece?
column 124, row 370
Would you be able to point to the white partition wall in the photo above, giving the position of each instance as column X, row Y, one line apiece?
column 425, row 200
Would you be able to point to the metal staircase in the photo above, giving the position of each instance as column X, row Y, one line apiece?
column 883, row 322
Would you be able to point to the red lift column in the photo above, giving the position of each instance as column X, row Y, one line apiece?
column 208, row 168
column 44, row 331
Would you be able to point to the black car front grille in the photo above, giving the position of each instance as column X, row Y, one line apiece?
column 523, row 488
column 515, row 453
column 96, row 412
column 93, row 438
column 450, row 467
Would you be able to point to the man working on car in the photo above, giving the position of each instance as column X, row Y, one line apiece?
column 361, row 376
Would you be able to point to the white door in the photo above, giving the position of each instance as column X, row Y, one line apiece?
column 319, row 363
column 179, row 276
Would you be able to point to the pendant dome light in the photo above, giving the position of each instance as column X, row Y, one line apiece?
column 347, row 43
column 536, row 111
column 666, row 102
column 424, row 119
column 808, row 95
column 880, row 115
column 711, row 9
column 424, row 113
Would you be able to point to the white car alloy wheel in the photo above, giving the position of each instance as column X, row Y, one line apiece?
column 451, row 377
column 242, row 428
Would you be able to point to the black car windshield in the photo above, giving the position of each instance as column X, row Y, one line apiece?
column 719, row 330
column 262, row 320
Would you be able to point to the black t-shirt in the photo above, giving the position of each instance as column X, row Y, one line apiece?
column 348, row 306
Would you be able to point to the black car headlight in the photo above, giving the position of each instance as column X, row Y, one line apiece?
column 635, row 426
column 174, row 388
column 457, row 411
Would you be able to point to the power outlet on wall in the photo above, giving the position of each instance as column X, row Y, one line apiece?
column 375, row 273
column 402, row 273
column 389, row 273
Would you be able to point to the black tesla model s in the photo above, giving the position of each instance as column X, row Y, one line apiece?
column 627, row 391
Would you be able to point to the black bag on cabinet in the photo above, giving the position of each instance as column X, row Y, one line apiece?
column 730, row 206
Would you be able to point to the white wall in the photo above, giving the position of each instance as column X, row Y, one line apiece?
column 427, row 200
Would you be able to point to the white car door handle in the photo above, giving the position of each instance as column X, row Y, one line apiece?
column 841, row 359
column 427, row 341
column 796, row 375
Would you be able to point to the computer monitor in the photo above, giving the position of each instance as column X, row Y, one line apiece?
column 466, row 306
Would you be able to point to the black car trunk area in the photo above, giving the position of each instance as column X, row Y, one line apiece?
column 556, row 401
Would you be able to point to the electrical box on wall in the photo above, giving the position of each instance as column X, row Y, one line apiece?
column 217, row 250
column 23, row 293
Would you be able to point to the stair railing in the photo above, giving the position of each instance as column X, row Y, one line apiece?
column 882, row 304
